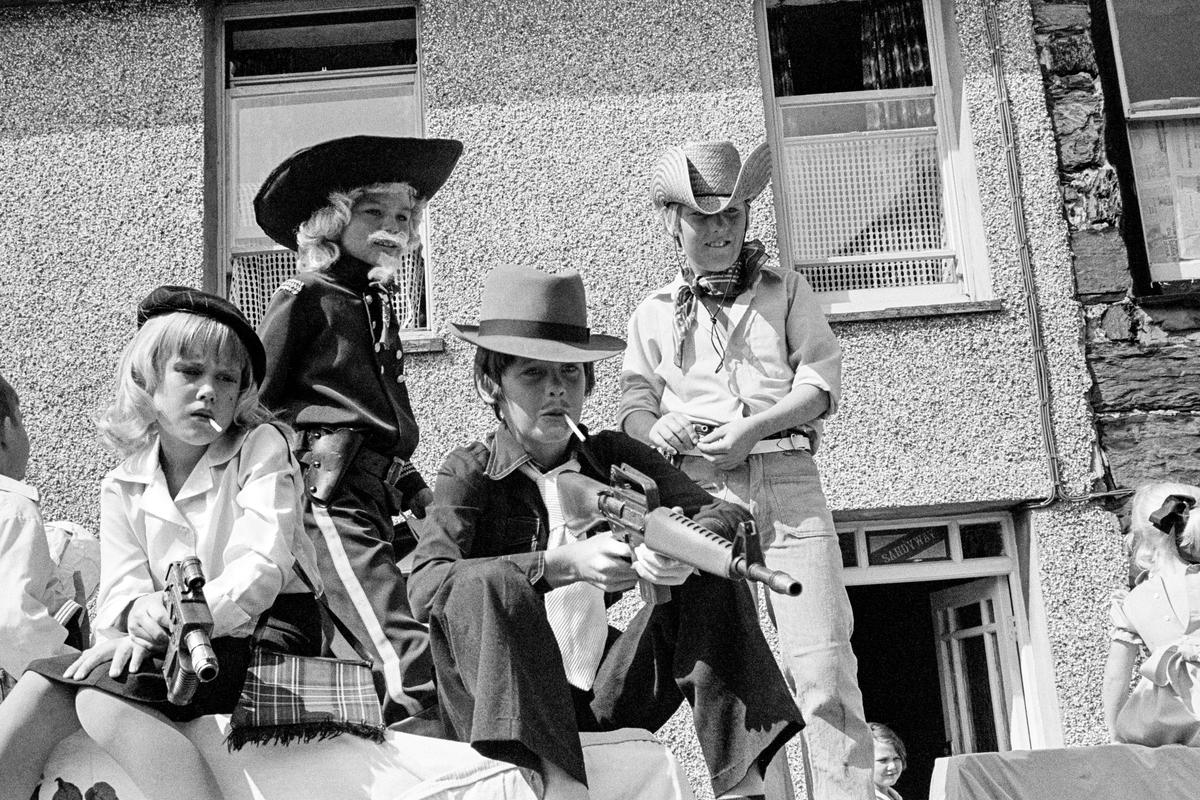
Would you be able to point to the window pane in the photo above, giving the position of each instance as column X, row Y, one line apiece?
column 968, row 616
column 907, row 545
column 849, row 553
column 860, row 195
column 818, row 119
column 847, row 47
column 979, row 692
column 982, row 540
column 1166, row 163
column 322, row 42
column 269, row 125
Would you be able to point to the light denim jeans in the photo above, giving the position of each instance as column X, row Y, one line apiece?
column 783, row 491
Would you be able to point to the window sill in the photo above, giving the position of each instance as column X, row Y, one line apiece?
column 905, row 312
column 422, row 342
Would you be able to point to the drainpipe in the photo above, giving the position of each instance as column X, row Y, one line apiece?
column 1041, row 366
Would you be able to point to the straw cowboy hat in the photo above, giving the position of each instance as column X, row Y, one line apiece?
column 709, row 176
column 540, row 315
column 303, row 182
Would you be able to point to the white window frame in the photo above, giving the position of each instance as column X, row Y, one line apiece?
column 225, row 122
column 965, row 232
column 1034, row 728
column 1141, row 114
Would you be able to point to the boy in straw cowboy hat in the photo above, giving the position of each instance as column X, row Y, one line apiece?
column 335, row 371
column 731, row 368
column 516, row 600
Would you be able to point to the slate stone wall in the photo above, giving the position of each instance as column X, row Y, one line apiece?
column 1142, row 340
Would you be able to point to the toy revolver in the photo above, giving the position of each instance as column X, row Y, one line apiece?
column 631, row 509
column 190, row 658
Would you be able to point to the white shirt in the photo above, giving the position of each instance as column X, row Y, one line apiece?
column 774, row 338
column 239, row 511
column 27, row 587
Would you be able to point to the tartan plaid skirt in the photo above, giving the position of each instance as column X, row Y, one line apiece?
column 293, row 626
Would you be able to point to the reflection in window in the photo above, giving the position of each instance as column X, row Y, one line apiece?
column 981, row 539
column 849, row 552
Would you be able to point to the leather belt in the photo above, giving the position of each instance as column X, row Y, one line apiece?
column 781, row 442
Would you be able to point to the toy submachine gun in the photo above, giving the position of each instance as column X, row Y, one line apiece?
column 631, row 508
column 190, row 658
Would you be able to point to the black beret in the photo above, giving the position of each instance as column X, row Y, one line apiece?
column 171, row 299
column 303, row 182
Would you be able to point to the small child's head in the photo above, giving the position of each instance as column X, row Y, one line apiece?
column 1146, row 542
column 186, row 336
column 890, row 756
column 14, row 442
column 361, row 194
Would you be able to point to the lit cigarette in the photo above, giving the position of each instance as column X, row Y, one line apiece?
column 574, row 428
column 216, row 426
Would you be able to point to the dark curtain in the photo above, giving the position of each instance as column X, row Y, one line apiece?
column 894, row 49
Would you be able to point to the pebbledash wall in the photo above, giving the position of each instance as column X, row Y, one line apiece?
column 563, row 108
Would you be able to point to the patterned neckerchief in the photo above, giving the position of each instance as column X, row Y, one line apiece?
column 722, row 285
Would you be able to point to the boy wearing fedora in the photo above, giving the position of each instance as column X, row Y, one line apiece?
column 335, row 371
column 730, row 369
column 515, row 598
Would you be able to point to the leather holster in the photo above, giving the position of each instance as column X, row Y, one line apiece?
column 327, row 454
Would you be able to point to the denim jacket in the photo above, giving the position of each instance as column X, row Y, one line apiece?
column 485, row 507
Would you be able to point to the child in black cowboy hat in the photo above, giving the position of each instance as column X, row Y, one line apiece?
column 516, row 600
column 335, row 372
column 731, row 368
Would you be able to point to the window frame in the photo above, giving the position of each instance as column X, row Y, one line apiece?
column 965, row 233
column 219, row 146
column 1149, row 112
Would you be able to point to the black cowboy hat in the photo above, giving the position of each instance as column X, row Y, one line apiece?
column 540, row 315
column 303, row 182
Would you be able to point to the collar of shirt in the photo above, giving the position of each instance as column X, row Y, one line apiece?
column 142, row 466
column 765, row 273
column 506, row 453
column 8, row 484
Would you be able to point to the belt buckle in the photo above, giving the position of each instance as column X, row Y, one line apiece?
column 799, row 441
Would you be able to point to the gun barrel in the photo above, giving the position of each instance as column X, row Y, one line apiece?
column 204, row 658
column 775, row 580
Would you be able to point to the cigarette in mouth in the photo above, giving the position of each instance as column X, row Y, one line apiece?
column 574, row 428
column 216, row 426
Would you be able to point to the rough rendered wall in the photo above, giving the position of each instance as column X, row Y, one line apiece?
column 102, row 157
column 563, row 112
column 564, row 108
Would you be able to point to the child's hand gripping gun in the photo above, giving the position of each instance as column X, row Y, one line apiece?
column 631, row 509
column 190, row 659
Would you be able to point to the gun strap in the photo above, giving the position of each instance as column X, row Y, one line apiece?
column 359, row 648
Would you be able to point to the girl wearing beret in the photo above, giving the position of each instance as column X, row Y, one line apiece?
column 204, row 475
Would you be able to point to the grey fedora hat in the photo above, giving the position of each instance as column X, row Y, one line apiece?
column 535, row 314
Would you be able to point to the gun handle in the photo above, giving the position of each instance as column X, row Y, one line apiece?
column 654, row 594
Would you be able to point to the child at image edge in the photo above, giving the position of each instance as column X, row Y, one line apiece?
column 204, row 475
column 28, row 628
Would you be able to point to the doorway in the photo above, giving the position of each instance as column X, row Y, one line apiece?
column 896, row 645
